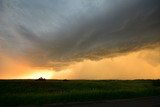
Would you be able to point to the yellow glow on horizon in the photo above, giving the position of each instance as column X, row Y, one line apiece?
column 143, row 64
column 35, row 74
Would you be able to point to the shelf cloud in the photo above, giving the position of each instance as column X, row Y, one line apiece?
column 57, row 33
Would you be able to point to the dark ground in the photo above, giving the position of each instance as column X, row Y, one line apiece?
column 135, row 102
column 91, row 93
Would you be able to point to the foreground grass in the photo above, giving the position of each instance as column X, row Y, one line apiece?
column 30, row 92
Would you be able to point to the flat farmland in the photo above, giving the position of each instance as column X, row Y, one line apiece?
column 32, row 92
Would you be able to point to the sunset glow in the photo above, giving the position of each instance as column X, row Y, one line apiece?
column 83, row 39
column 47, row 74
column 142, row 64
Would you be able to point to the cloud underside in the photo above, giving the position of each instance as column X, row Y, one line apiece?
column 55, row 34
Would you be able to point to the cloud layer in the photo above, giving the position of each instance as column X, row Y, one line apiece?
column 136, row 65
column 55, row 33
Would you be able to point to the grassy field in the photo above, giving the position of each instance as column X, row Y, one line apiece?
column 30, row 92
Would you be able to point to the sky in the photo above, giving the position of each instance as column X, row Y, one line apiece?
column 80, row 39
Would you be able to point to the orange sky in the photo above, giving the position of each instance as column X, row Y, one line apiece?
column 144, row 64
column 98, row 39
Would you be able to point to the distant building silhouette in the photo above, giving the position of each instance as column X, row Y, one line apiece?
column 41, row 79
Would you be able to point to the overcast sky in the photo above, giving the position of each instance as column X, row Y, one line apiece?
column 57, row 33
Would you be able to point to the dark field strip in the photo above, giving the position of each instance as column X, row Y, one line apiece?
column 31, row 92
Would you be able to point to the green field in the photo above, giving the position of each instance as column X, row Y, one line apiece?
column 30, row 92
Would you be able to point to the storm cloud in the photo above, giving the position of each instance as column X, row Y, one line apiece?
column 55, row 33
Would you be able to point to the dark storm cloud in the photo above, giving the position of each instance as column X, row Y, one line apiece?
column 56, row 33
